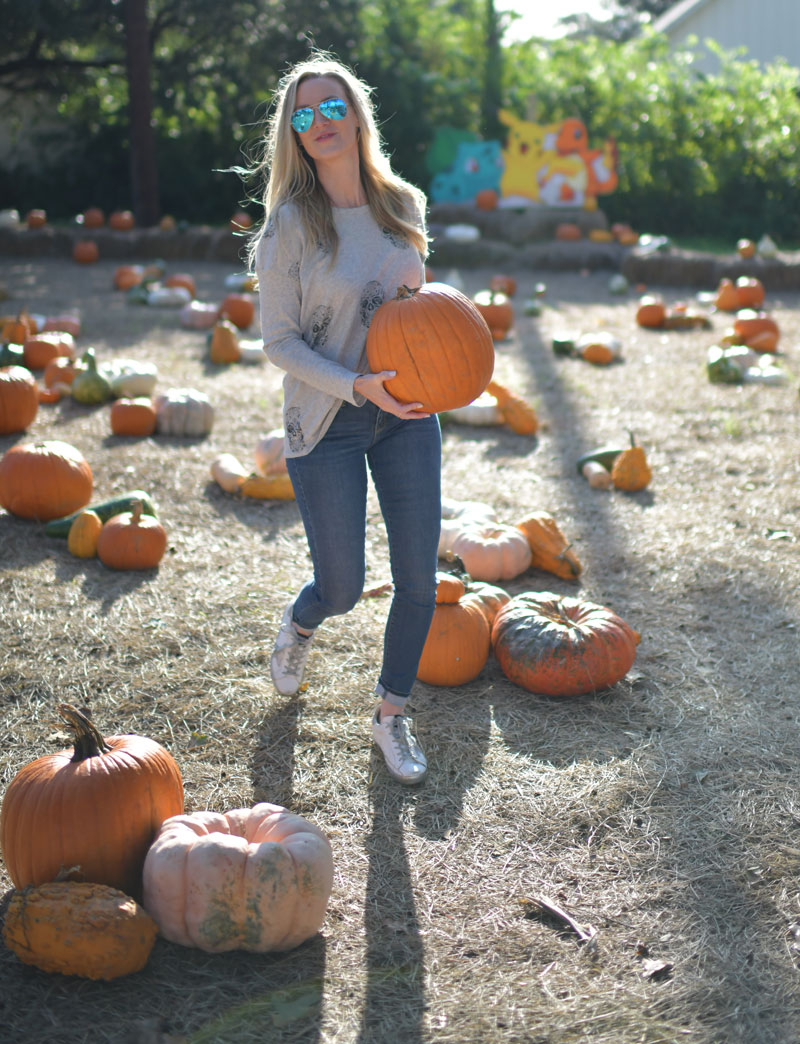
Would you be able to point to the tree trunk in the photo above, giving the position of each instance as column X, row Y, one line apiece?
column 144, row 169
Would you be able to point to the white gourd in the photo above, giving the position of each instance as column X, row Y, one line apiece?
column 184, row 411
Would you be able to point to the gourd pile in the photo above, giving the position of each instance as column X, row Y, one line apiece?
column 103, row 858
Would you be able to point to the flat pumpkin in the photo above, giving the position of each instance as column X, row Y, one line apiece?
column 75, row 928
column 560, row 646
column 437, row 342
column 255, row 879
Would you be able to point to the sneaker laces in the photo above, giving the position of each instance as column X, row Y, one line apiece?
column 401, row 737
column 296, row 654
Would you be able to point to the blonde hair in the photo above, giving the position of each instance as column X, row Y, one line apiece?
column 290, row 173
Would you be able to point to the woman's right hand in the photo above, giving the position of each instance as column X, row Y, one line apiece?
column 371, row 386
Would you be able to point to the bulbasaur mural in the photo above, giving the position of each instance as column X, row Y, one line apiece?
column 540, row 164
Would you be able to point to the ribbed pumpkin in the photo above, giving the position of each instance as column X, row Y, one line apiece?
column 458, row 641
column 562, row 646
column 491, row 597
column 136, row 416
column 96, row 808
column 19, row 399
column 492, row 551
column 44, row 480
column 549, row 548
column 77, row 928
column 255, row 879
column 132, row 540
column 438, row 344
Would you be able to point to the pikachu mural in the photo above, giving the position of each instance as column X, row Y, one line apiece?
column 540, row 164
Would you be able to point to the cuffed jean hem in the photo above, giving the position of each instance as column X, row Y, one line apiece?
column 389, row 696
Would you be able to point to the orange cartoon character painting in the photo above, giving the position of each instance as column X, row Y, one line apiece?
column 600, row 164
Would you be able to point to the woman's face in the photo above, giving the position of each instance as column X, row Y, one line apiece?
column 326, row 138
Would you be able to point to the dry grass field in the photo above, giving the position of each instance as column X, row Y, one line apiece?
column 663, row 813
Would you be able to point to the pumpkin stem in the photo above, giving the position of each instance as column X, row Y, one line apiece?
column 404, row 292
column 630, row 434
column 88, row 739
column 136, row 512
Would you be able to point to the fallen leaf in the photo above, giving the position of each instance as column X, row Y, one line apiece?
column 655, row 970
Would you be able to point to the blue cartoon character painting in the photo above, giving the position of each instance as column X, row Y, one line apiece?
column 477, row 165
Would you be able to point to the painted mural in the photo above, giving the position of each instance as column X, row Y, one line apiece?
column 540, row 164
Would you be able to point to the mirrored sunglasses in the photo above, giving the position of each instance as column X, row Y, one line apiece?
column 331, row 109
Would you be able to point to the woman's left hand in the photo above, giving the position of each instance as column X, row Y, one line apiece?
column 371, row 386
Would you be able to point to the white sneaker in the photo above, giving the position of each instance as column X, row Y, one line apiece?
column 289, row 656
column 403, row 755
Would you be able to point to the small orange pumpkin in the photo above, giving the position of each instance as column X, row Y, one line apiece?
column 239, row 309
column 181, row 279
column 128, row 276
column 568, row 230
column 223, row 343
column 630, row 470
column 503, row 284
column 19, row 399
column 458, row 641
column 487, row 199
column 93, row 217
column 122, row 220
column 36, row 218
column 746, row 248
column 750, row 292
column 60, row 370
column 757, row 330
column 85, row 252
column 135, row 416
column 727, row 299
column 651, row 311
column 497, row 310
column 132, row 540
column 44, row 347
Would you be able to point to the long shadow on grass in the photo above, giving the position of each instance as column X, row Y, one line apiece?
column 395, row 998
column 273, row 757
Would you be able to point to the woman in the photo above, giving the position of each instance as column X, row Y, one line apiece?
column 341, row 233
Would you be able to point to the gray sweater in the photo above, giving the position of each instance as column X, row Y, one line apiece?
column 315, row 315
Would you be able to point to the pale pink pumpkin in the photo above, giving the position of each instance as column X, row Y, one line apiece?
column 254, row 879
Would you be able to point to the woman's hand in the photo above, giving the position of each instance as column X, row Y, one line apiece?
column 370, row 385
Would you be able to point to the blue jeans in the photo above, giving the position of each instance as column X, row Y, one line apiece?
column 330, row 483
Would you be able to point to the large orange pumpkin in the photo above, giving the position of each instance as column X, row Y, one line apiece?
column 92, row 810
column 562, row 646
column 437, row 342
column 41, row 348
column 44, row 480
column 19, row 399
column 458, row 642
column 255, row 879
